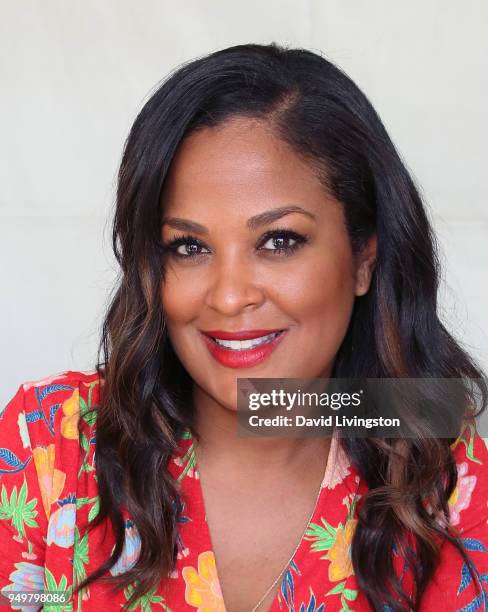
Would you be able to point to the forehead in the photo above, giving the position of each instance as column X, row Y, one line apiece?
column 242, row 166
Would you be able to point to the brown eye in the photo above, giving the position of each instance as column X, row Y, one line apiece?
column 189, row 249
column 283, row 242
column 186, row 247
column 279, row 243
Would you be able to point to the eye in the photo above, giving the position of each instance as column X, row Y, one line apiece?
column 186, row 247
column 282, row 241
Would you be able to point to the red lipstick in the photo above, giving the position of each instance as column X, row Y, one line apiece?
column 240, row 357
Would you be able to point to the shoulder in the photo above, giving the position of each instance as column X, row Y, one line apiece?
column 41, row 399
column 58, row 386
column 63, row 382
column 50, row 389
column 43, row 411
column 453, row 586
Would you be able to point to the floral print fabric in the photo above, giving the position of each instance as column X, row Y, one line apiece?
column 48, row 493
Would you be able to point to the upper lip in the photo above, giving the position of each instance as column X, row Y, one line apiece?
column 245, row 334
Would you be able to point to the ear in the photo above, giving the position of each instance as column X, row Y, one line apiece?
column 365, row 263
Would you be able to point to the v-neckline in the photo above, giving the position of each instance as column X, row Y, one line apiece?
column 327, row 478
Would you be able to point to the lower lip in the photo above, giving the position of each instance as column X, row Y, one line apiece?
column 245, row 358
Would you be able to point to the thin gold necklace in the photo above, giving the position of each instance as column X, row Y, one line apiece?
column 297, row 546
column 326, row 475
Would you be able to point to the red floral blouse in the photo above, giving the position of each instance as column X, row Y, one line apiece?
column 48, row 490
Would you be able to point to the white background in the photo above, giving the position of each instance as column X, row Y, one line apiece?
column 73, row 76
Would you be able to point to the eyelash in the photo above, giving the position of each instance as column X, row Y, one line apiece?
column 287, row 234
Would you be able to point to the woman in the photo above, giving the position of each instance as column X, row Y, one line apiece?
column 259, row 199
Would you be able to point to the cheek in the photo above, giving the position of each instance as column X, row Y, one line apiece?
column 181, row 297
column 181, row 301
column 324, row 282
column 331, row 290
column 320, row 299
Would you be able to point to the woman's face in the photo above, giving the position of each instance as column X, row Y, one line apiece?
column 254, row 245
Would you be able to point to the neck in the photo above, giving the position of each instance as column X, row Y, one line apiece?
column 220, row 444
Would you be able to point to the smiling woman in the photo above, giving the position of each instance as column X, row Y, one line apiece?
column 252, row 240
column 265, row 227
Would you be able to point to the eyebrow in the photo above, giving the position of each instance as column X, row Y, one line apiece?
column 268, row 216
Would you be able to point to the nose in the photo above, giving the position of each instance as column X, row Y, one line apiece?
column 234, row 286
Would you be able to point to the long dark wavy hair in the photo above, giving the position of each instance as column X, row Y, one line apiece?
column 394, row 332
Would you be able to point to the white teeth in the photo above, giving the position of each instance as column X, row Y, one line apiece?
column 241, row 345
